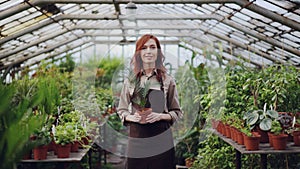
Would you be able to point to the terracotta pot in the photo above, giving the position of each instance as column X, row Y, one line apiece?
column 75, row 146
column 251, row 142
column 222, row 128
column 189, row 162
column 144, row 113
column 270, row 139
column 27, row 156
column 264, row 136
column 279, row 141
column 63, row 151
column 296, row 138
column 219, row 126
column 51, row 146
column 40, row 152
column 227, row 131
column 240, row 137
column 233, row 135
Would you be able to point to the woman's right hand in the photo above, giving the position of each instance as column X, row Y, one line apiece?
column 133, row 117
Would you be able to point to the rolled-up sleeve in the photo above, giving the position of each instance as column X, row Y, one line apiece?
column 123, row 107
column 173, row 102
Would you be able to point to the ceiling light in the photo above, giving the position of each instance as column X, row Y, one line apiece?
column 131, row 10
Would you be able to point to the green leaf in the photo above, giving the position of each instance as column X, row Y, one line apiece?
column 265, row 124
column 272, row 113
column 252, row 118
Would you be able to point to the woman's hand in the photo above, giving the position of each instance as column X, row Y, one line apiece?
column 133, row 118
column 153, row 117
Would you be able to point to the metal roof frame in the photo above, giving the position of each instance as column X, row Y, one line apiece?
column 272, row 34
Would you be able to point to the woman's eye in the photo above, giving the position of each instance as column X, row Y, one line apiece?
column 152, row 47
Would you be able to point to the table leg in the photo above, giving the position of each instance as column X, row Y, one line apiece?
column 263, row 161
column 90, row 157
column 238, row 163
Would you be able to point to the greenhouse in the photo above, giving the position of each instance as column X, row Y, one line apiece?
column 228, row 71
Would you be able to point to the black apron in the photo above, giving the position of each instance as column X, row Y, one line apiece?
column 151, row 145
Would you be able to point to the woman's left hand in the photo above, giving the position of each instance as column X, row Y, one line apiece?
column 153, row 117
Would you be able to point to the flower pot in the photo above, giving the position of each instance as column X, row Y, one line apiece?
column 227, row 131
column 270, row 139
column 75, row 146
column 144, row 113
column 240, row 137
column 27, row 156
column 279, row 141
column 63, row 151
column 251, row 142
column 189, row 162
column 40, row 152
column 233, row 135
column 296, row 138
column 264, row 136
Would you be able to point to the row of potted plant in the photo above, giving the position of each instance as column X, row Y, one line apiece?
column 263, row 126
column 72, row 130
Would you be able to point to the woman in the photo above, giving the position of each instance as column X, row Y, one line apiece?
column 151, row 143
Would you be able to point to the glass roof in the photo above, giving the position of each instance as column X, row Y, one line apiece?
column 259, row 31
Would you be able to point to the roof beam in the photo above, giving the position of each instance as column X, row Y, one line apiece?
column 194, row 36
column 50, row 48
column 243, row 3
column 156, row 17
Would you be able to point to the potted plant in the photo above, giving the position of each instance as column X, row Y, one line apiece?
column 140, row 98
column 279, row 139
column 64, row 135
column 187, row 148
column 41, row 138
column 251, row 139
column 261, row 120
column 294, row 131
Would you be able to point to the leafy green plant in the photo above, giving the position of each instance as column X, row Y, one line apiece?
column 276, row 127
column 64, row 134
column 247, row 130
column 42, row 136
column 262, row 118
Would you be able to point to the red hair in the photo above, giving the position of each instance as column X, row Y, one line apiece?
column 137, row 62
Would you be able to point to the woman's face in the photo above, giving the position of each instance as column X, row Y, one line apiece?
column 149, row 52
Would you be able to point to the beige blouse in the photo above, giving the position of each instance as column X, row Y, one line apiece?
column 171, row 107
